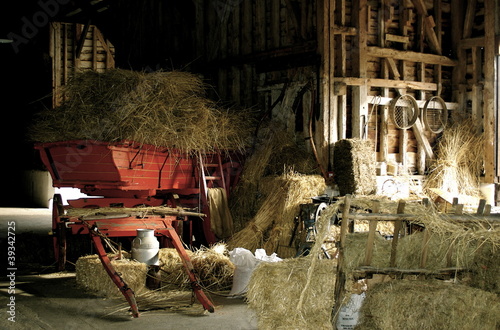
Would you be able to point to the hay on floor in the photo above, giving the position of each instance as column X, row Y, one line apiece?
column 430, row 304
column 354, row 167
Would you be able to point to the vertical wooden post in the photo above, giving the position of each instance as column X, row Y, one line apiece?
column 371, row 235
column 360, row 93
column 397, row 229
column 341, row 278
column 425, row 248
column 490, row 122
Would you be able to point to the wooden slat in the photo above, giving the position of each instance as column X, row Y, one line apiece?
column 411, row 56
column 491, row 121
column 395, row 238
column 469, row 19
column 371, row 235
column 418, row 130
column 425, row 248
column 386, row 83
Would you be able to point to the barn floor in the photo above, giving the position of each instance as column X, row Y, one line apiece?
column 45, row 299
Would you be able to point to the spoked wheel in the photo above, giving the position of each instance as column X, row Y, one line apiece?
column 58, row 232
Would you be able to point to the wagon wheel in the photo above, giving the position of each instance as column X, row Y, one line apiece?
column 404, row 111
column 435, row 114
column 58, row 232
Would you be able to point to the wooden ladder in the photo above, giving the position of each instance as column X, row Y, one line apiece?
column 212, row 175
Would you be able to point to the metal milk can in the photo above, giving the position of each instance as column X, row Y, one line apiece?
column 145, row 247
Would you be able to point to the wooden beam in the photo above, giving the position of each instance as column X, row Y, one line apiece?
column 428, row 26
column 393, row 68
column 418, row 130
column 490, row 122
column 345, row 30
column 386, row 83
column 396, row 38
column 471, row 43
column 360, row 92
column 411, row 56
column 470, row 14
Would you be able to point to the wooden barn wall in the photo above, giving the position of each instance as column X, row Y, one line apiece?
column 349, row 54
column 343, row 59
column 262, row 55
column 74, row 48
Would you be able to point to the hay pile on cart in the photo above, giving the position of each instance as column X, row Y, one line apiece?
column 168, row 109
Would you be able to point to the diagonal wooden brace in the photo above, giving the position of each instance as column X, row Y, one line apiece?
column 188, row 266
column 115, row 277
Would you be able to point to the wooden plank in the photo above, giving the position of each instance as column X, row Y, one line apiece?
column 386, row 83
column 360, row 93
column 480, row 207
column 470, row 14
column 371, row 235
column 493, row 219
column 471, row 43
column 274, row 24
column 491, row 159
column 393, row 68
column 260, row 25
column 396, row 38
column 395, row 238
column 428, row 26
column 425, row 248
column 246, row 27
column 411, row 56
column 418, row 130
column 341, row 276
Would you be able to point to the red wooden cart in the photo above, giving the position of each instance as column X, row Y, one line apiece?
column 128, row 174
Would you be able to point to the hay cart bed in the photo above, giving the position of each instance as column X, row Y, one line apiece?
column 170, row 188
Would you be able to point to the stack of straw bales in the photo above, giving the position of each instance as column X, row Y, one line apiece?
column 160, row 108
column 354, row 167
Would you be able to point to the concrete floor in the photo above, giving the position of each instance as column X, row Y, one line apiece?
column 45, row 299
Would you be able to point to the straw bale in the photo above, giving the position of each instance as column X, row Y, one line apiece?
column 91, row 275
column 272, row 226
column 212, row 265
column 167, row 109
column 275, row 292
column 355, row 247
column 354, row 167
column 430, row 304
